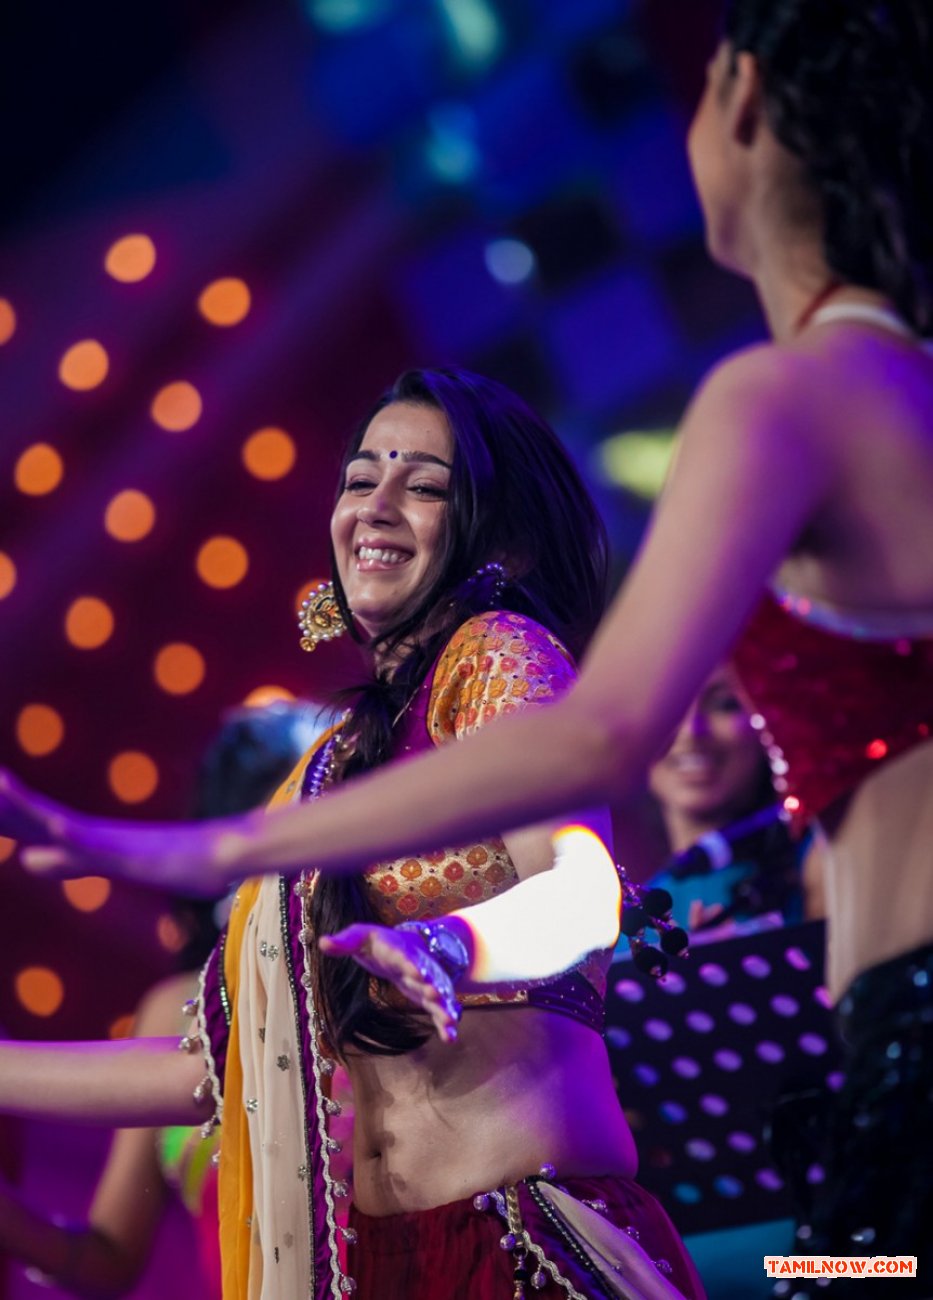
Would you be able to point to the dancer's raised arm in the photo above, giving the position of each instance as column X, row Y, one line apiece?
column 755, row 466
column 753, row 469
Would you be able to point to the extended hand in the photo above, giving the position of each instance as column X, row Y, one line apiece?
column 28, row 817
column 401, row 958
column 60, row 843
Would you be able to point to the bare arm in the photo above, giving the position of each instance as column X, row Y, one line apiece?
column 104, row 1256
column 128, row 1083
column 752, row 472
column 749, row 477
column 78, row 1258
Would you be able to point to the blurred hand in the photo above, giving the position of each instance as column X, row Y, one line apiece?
column 60, row 843
column 402, row 960
column 25, row 816
column 702, row 914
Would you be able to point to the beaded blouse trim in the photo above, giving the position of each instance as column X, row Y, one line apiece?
column 322, row 1067
column 316, row 778
column 302, row 1074
column 204, row 1039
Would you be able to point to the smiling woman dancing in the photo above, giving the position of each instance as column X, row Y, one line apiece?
column 492, row 1157
column 799, row 506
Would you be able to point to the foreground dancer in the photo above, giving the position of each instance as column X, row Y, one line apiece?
column 491, row 1159
column 806, row 466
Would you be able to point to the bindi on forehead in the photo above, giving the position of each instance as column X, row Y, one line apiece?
column 407, row 457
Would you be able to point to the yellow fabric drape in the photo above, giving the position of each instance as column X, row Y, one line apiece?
column 235, row 1190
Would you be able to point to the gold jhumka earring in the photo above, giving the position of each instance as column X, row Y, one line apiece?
column 319, row 618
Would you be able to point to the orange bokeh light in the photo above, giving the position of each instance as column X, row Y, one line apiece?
column 179, row 668
column 39, row 729
column 84, row 365
column 38, row 470
column 264, row 695
column 7, row 847
column 129, row 516
column 130, row 259
column 39, row 990
column 169, row 933
column 122, row 1027
column 269, row 454
column 88, row 894
column 177, row 406
column 7, row 575
column 132, row 776
column 7, row 320
column 88, row 623
column 222, row 562
column 224, row 302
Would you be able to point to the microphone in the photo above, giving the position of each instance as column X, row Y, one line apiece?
column 742, row 840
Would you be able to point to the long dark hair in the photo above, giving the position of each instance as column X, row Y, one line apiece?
column 515, row 496
column 849, row 90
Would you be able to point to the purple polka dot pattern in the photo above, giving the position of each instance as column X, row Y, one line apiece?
column 701, row 1057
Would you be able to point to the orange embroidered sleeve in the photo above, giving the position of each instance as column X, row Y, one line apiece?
column 495, row 664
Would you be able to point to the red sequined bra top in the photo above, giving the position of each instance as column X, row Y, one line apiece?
column 834, row 699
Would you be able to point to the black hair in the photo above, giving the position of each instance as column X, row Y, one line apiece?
column 247, row 759
column 849, row 90
column 515, row 497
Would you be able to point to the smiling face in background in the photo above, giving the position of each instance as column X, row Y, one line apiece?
column 713, row 773
column 388, row 524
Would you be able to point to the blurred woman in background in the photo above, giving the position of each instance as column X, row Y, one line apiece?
column 720, row 797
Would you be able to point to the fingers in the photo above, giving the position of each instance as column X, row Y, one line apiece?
column 353, row 940
column 52, row 862
column 401, row 961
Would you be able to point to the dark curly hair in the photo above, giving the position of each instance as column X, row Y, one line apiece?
column 515, row 496
column 849, row 89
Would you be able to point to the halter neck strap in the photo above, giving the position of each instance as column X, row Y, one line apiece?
column 862, row 313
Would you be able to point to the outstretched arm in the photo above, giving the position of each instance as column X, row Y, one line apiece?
column 118, row 1084
column 750, row 475
column 104, row 1256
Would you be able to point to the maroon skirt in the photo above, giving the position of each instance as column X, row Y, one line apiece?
column 462, row 1252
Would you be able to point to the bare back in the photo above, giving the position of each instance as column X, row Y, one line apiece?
column 870, row 553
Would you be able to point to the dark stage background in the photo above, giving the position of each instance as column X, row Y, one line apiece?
column 224, row 227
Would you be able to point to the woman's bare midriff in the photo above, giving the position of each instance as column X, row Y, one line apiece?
column 521, row 1088
column 878, row 867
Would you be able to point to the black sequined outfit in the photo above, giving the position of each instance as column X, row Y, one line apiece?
column 878, row 1194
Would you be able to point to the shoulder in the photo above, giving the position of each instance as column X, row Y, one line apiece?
column 767, row 385
column 762, row 411
column 502, row 629
column 495, row 663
